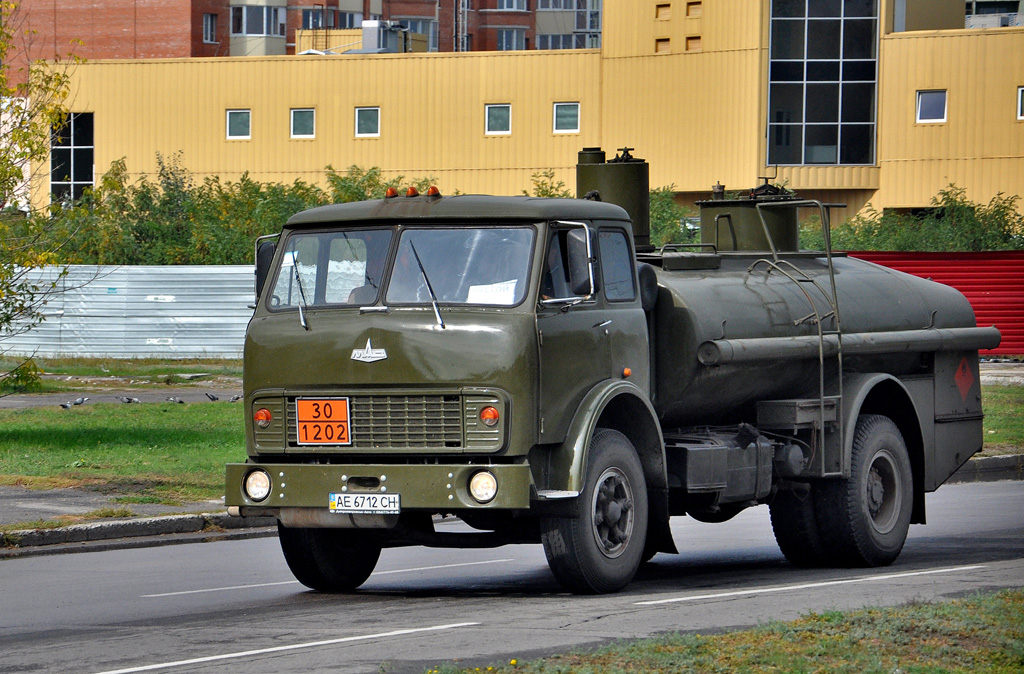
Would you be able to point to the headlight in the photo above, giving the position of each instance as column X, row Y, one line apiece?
column 483, row 486
column 257, row 485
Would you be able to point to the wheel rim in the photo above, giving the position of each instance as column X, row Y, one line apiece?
column 613, row 512
column 884, row 495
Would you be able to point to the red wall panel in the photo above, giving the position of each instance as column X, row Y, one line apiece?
column 992, row 282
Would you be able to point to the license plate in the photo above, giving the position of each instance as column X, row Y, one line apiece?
column 366, row 504
column 322, row 421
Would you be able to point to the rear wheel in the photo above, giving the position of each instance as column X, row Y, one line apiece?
column 328, row 560
column 868, row 515
column 601, row 548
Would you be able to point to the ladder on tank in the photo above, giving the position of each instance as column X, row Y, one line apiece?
column 829, row 407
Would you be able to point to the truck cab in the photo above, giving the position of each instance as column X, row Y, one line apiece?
column 420, row 356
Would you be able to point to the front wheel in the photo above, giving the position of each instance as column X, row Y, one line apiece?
column 868, row 515
column 601, row 549
column 328, row 560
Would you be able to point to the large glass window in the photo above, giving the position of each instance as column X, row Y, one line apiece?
column 822, row 82
column 71, row 157
column 462, row 266
column 1020, row 102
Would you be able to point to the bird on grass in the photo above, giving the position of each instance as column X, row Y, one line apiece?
column 126, row 399
column 234, row 398
column 78, row 401
column 172, row 399
column 67, row 405
column 212, row 397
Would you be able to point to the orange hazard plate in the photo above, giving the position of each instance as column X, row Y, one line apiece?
column 322, row 421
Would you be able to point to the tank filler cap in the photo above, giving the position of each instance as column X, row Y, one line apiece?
column 625, row 156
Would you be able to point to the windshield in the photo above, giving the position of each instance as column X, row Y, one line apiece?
column 462, row 266
column 332, row 268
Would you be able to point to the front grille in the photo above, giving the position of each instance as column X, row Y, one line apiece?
column 399, row 422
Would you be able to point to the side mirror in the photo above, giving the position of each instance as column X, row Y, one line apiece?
column 264, row 257
column 581, row 266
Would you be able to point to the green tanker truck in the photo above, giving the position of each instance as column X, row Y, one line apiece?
column 533, row 367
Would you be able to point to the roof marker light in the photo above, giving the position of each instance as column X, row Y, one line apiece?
column 412, row 192
column 432, row 191
column 390, row 192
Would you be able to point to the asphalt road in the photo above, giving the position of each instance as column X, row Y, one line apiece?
column 233, row 606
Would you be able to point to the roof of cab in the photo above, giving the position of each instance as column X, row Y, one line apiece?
column 460, row 207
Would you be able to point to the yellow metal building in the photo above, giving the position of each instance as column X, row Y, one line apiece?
column 705, row 90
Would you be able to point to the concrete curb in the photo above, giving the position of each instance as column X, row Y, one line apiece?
column 135, row 532
column 177, row 529
column 990, row 469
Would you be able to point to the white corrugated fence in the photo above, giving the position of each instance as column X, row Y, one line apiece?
column 141, row 312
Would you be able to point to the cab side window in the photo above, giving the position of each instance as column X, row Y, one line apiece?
column 616, row 266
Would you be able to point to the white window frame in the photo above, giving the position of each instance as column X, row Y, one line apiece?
column 292, row 123
column 1020, row 103
column 512, row 5
column 227, row 123
column 367, row 135
column 274, row 20
column 554, row 117
column 210, row 29
column 513, row 34
column 487, row 119
column 945, row 106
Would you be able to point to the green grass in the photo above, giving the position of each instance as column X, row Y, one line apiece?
column 983, row 634
column 162, row 451
column 130, row 367
column 1004, row 420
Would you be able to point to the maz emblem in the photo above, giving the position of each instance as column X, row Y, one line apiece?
column 369, row 354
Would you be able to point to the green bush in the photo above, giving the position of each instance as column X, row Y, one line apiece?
column 667, row 218
column 953, row 223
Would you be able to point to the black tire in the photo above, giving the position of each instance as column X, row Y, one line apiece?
column 795, row 524
column 601, row 549
column 328, row 560
column 866, row 517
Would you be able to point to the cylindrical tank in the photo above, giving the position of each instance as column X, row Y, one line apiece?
column 735, row 224
column 623, row 180
column 732, row 309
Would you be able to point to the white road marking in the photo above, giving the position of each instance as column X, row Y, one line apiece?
column 292, row 582
column 291, row 647
column 807, row 586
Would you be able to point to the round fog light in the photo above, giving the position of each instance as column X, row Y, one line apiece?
column 483, row 486
column 257, row 485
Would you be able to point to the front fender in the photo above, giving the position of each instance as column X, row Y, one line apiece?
column 569, row 459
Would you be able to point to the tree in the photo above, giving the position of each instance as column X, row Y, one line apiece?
column 33, row 94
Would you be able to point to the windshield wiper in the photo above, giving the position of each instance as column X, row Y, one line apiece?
column 430, row 289
column 302, row 295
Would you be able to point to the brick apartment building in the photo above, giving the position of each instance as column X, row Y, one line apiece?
column 141, row 29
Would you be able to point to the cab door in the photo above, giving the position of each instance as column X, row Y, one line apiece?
column 583, row 337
